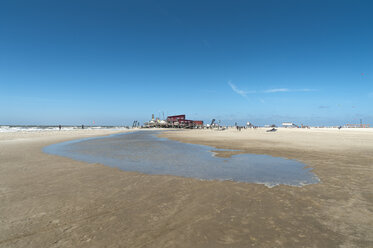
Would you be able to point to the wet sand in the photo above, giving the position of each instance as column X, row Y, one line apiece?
column 51, row 201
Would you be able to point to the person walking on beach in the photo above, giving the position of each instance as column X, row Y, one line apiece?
column 82, row 126
column 59, row 127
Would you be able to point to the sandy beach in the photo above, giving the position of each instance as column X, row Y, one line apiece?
column 51, row 201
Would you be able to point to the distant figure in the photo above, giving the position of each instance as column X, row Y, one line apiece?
column 82, row 126
column 339, row 127
column 59, row 127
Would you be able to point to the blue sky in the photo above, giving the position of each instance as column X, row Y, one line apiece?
column 112, row 62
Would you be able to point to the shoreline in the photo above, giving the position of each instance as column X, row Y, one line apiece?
column 51, row 201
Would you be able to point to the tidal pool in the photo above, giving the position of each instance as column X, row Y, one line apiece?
column 144, row 152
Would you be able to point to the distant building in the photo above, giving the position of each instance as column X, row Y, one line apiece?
column 288, row 124
column 176, row 118
column 198, row 123
column 356, row 126
column 181, row 121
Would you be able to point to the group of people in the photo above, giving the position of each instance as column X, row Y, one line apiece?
column 60, row 127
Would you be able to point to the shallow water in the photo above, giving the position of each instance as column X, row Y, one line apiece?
column 143, row 152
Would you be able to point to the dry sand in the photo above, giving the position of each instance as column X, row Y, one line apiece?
column 50, row 201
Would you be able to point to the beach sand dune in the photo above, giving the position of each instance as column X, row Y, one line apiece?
column 51, row 201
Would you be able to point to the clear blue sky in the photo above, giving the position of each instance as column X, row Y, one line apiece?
column 72, row 62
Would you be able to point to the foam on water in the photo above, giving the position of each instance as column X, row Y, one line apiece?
column 12, row 129
column 144, row 152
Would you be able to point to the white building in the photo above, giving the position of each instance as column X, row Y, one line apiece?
column 288, row 124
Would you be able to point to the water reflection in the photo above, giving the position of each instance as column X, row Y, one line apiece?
column 143, row 152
